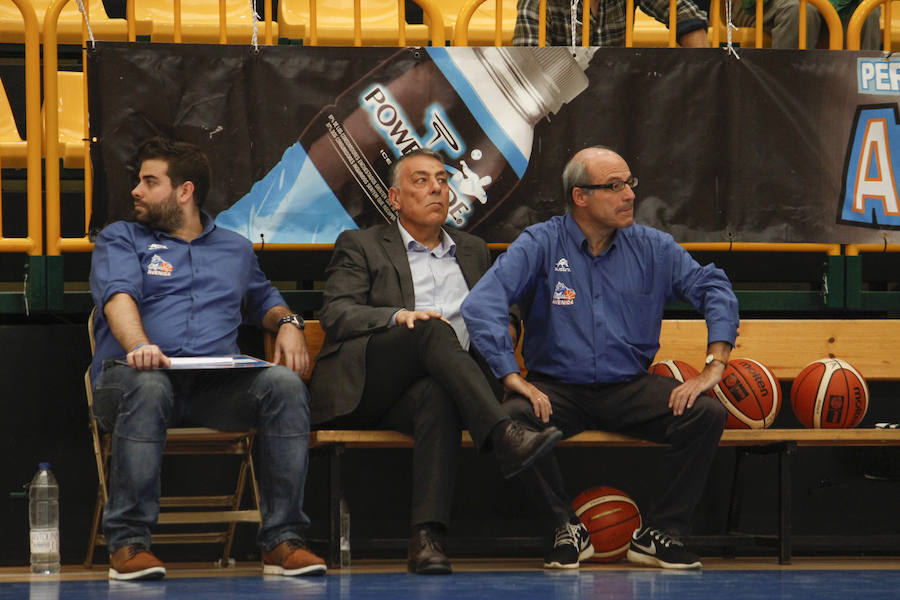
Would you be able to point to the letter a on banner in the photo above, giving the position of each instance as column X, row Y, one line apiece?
column 870, row 192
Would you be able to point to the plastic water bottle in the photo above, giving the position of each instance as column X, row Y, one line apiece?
column 345, row 534
column 43, row 518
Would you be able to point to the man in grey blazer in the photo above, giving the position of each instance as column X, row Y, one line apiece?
column 396, row 354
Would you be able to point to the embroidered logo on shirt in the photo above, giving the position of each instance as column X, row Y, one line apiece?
column 159, row 267
column 562, row 266
column 563, row 295
column 153, row 247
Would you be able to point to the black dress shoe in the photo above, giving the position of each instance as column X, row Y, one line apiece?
column 426, row 554
column 520, row 446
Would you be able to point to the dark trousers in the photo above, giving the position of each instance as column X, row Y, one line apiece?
column 638, row 408
column 420, row 381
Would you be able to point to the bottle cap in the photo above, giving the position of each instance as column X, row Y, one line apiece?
column 44, row 466
column 538, row 81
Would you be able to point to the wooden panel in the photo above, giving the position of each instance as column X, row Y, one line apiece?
column 788, row 345
column 783, row 345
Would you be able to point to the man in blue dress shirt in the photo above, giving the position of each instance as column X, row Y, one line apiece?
column 592, row 286
column 174, row 284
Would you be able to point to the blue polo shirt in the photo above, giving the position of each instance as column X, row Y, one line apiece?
column 191, row 295
column 591, row 319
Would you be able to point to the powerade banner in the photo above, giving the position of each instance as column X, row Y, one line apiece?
column 779, row 146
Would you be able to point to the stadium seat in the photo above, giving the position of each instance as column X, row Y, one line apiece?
column 69, row 31
column 71, row 118
column 200, row 21
column 335, row 21
column 483, row 22
column 181, row 511
column 13, row 149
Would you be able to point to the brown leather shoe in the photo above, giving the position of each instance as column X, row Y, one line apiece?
column 291, row 558
column 519, row 446
column 133, row 562
column 425, row 555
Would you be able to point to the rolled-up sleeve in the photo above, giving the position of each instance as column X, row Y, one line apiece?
column 115, row 266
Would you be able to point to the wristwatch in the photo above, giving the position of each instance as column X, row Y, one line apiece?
column 711, row 357
column 294, row 319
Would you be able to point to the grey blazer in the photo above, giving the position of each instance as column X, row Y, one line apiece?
column 368, row 280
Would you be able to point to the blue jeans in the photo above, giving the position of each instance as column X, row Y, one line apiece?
column 138, row 407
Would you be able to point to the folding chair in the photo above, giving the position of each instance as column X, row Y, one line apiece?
column 182, row 510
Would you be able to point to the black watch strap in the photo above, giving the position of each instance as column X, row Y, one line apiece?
column 294, row 319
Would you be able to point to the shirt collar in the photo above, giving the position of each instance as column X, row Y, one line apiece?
column 581, row 241
column 208, row 225
column 447, row 245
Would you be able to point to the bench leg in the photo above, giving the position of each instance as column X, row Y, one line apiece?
column 334, row 505
column 734, row 502
column 785, row 461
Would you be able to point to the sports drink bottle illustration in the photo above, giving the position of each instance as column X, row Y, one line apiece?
column 476, row 105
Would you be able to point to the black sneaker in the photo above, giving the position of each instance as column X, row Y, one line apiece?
column 657, row 549
column 572, row 545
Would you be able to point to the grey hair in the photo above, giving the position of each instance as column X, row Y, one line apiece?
column 576, row 172
column 395, row 167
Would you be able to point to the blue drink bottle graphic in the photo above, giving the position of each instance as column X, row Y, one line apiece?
column 477, row 105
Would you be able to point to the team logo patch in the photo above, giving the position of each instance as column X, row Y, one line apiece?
column 153, row 247
column 563, row 295
column 562, row 266
column 159, row 267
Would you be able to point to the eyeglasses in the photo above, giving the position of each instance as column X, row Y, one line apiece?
column 616, row 186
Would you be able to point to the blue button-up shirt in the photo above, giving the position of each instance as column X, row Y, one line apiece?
column 190, row 294
column 591, row 319
column 437, row 280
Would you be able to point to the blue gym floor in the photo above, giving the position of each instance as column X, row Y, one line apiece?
column 522, row 584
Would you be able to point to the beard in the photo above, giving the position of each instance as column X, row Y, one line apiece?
column 165, row 216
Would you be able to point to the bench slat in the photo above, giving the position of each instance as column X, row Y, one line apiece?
column 732, row 437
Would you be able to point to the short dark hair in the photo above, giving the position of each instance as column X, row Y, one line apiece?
column 186, row 162
column 395, row 167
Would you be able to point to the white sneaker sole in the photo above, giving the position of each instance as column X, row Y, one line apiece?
column 146, row 574
column 310, row 570
column 585, row 554
column 639, row 558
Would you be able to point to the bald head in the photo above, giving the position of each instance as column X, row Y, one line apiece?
column 577, row 170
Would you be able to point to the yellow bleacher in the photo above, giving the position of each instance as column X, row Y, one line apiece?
column 70, row 107
column 69, row 30
column 335, row 23
column 200, row 20
column 13, row 149
column 483, row 22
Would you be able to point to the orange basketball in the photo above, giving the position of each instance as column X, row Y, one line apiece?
column 610, row 517
column 750, row 393
column 677, row 369
column 829, row 394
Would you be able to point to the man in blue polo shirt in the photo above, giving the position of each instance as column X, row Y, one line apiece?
column 173, row 284
column 592, row 286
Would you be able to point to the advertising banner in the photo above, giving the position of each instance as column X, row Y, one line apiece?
column 777, row 146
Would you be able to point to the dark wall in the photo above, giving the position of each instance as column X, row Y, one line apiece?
column 836, row 490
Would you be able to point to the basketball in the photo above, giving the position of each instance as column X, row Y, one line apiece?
column 751, row 394
column 610, row 517
column 677, row 369
column 829, row 394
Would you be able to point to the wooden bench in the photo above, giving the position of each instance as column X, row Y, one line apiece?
column 784, row 345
